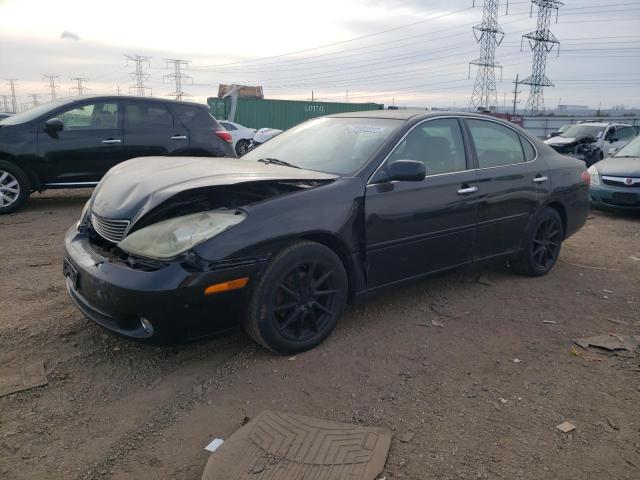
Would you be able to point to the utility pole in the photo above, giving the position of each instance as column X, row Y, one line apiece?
column 541, row 41
column 14, row 99
column 52, row 85
column 35, row 96
column 139, row 75
column 312, row 99
column 346, row 96
column 489, row 35
column 80, row 88
column 177, row 76
column 5, row 103
column 515, row 95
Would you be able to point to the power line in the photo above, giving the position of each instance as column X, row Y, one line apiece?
column 542, row 41
column 177, row 76
column 489, row 35
column 139, row 75
column 79, row 87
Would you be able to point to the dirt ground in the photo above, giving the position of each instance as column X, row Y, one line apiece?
column 116, row 409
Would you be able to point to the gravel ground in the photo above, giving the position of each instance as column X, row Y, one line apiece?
column 436, row 359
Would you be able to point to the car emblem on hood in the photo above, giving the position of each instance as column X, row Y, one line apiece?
column 628, row 181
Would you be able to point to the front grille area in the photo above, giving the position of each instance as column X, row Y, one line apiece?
column 621, row 181
column 109, row 229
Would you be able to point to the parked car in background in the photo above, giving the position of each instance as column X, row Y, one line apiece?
column 263, row 135
column 73, row 142
column 329, row 211
column 592, row 141
column 615, row 181
column 559, row 131
column 4, row 115
column 241, row 136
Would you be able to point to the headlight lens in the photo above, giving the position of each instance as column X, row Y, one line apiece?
column 169, row 238
column 595, row 176
column 83, row 215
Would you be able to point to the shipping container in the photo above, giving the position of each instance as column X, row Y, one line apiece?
column 281, row 114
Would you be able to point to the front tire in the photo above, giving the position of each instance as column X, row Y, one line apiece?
column 14, row 188
column 296, row 303
column 242, row 147
column 543, row 245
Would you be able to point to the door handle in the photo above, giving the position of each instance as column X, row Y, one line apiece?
column 540, row 179
column 110, row 141
column 179, row 137
column 467, row 190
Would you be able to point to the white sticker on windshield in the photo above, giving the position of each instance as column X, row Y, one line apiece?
column 364, row 129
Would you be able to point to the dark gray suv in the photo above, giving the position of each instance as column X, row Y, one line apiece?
column 74, row 142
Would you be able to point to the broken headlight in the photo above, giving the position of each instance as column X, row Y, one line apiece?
column 84, row 216
column 169, row 238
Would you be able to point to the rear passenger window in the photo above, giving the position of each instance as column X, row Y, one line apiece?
column 496, row 145
column 193, row 116
column 529, row 151
column 147, row 115
column 436, row 143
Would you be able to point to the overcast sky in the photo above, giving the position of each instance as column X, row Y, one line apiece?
column 413, row 52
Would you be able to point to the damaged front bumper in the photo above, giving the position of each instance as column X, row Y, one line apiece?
column 165, row 305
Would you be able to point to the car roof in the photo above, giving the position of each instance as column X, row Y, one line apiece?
column 601, row 124
column 131, row 97
column 412, row 114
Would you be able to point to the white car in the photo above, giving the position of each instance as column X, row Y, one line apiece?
column 593, row 141
column 263, row 135
column 241, row 136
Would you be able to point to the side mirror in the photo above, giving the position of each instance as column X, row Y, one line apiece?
column 54, row 125
column 406, row 170
column 613, row 139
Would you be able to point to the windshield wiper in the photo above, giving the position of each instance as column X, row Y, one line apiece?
column 276, row 161
column 624, row 156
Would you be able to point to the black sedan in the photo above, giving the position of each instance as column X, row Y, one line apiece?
column 72, row 142
column 323, row 214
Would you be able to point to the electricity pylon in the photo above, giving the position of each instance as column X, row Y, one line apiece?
column 139, row 75
column 177, row 76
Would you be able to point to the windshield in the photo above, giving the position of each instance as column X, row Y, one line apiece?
column 34, row 113
column 631, row 149
column 333, row 145
column 579, row 131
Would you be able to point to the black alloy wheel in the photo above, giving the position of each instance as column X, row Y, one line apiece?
column 546, row 243
column 296, row 303
column 305, row 301
column 543, row 247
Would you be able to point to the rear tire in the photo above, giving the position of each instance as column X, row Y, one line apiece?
column 543, row 245
column 14, row 188
column 296, row 302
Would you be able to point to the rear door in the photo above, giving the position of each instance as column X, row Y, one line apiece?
column 511, row 181
column 415, row 228
column 151, row 130
column 202, row 128
column 89, row 144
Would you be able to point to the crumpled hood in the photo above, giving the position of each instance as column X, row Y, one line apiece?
column 131, row 189
column 619, row 167
column 558, row 140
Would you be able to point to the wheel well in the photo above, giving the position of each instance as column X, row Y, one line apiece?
column 340, row 250
column 33, row 178
column 558, row 207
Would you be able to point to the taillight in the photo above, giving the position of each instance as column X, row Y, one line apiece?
column 224, row 135
column 586, row 178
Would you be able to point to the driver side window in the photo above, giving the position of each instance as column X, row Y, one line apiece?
column 437, row 143
column 93, row 116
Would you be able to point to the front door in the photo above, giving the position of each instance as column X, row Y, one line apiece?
column 415, row 228
column 511, row 180
column 89, row 144
column 150, row 130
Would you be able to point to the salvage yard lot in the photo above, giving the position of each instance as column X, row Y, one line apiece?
column 472, row 371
